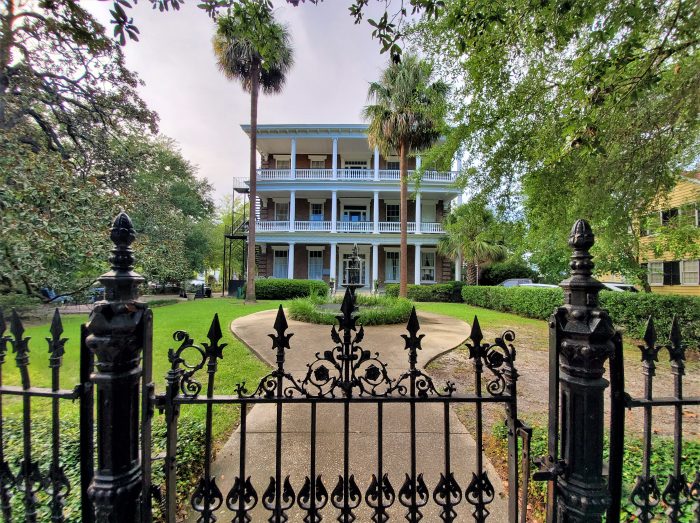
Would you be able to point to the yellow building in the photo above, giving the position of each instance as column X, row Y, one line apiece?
column 666, row 273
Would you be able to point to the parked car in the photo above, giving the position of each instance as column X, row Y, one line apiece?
column 515, row 282
column 619, row 287
column 539, row 285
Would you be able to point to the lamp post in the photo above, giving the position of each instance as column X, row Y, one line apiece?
column 352, row 273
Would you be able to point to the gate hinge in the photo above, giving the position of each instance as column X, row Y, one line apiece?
column 550, row 469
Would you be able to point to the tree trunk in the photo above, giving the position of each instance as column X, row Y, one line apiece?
column 471, row 273
column 250, row 272
column 6, row 42
column 403, row 212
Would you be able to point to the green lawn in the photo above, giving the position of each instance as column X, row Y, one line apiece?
column 487, row 318
column 194, row 317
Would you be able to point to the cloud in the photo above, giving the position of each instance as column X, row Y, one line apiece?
column 198, row 107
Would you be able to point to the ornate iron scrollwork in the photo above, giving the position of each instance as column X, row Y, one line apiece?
column 380, row 496
column 241, row 499
column 447, row 494
column 480, row 493
column 279, row 507
column 414, row 495
column 206, row 499
column 312, row 498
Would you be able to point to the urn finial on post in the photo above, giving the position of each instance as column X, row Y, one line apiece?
column 581, row 341
column 116, row 336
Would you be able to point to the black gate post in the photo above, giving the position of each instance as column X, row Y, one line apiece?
column 583, row 341
column 115, row 336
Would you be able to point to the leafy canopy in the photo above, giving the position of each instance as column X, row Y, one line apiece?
column 571, row 110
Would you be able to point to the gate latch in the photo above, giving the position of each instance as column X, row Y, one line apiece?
column 549, row 469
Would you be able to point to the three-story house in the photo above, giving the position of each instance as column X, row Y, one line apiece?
column 322, row 190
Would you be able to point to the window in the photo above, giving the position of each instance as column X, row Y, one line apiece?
column 316, row 212
column 280, row 263
column 392, row 271
column 282, row 211
column 393, row 166
column 690, row 272
column 655, row 273
column 392, row 213
column 649, row 224
column 428, row 212
column 427, row 266
column 318, row 164
column 315, row 265
column 689, row 215
column 672, row 273
column 283, row 163
column 354, row 213
column 669, row 216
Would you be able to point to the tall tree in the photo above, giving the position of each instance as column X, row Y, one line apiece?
column 64, row 86
column 406, row 115
column 473, row 234
column 578, row 109
column 253, row 48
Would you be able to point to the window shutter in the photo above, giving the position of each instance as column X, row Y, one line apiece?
column 672, row 273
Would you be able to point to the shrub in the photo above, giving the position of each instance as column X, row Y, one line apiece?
column 499, row 272
column 281, row 289
column 22, row 303
column 374, row 310
column 629, row 311
column 190, row 454
column 445, row 292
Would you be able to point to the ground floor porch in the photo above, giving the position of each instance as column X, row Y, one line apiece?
column 380, row 263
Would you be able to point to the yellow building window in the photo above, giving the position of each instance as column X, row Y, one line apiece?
column 690, row 272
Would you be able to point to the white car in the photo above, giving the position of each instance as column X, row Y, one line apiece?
column 619, row 287
column 539, row 285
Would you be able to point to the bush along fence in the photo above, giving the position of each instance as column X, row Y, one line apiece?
column 444, row 292
column 117, row 404
column 630, row 310
column 281, row 289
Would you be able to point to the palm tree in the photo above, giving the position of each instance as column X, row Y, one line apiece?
column 471, row 235
column 406, row 115
column 253, row 48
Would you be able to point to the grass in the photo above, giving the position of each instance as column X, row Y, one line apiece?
column 194, row 317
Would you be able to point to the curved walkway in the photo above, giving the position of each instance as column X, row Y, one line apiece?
column 441, row 334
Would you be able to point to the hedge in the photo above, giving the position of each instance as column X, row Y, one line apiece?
column 281, row 289
column 373, row 310
column 629, row 311
column 445, row 292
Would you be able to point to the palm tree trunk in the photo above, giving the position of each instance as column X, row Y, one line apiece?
column 250, row 272
column 471, row 273
column 403, row 209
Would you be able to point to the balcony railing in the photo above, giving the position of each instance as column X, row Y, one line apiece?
column 360, row 227
column 351, row 175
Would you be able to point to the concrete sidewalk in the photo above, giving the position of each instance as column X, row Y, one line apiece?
column 442, row 334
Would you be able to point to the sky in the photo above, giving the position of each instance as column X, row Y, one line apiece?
column 334, row 61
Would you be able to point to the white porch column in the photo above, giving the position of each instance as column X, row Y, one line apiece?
column 334, row 211
column 292, row 210
column 419, row 162
column 418, row 213
column 290, row 262
column 460, row 198
column 293, row 159
column 458, row 268
column 416, row 268
column 375, row 266
column 376, row 163
column 376, row 212
column 335, row 158
column 334, row 269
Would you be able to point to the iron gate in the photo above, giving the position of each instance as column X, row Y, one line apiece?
column 346, row 375
column 115, row 359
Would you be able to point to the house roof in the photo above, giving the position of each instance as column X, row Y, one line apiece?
column 315, row 130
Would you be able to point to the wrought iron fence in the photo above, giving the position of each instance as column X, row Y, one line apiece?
column 115, row 466
column 28, row 478
column 346, row 375
column 681, row 495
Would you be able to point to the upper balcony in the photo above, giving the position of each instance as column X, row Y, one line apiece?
column 344, row 174
column 310, row 155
